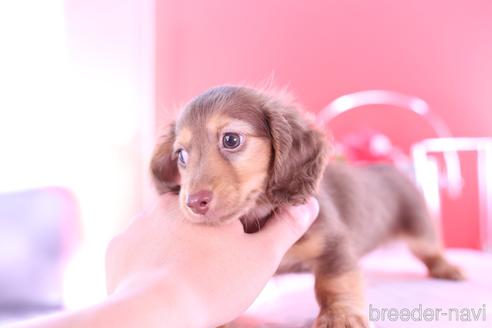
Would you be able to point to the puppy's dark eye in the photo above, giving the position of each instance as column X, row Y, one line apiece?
column 231, row 140
column 182, row 156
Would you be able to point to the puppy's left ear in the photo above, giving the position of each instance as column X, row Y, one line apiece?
column 299, row 157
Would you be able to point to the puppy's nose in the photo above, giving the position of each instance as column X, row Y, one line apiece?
column 199, row 201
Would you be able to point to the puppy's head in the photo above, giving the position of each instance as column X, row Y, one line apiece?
column 235, row 150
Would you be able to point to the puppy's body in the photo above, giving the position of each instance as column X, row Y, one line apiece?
column 361, row 207
column 367, row 205
column 237, row 153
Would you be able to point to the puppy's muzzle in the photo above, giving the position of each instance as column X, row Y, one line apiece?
column 199, row 202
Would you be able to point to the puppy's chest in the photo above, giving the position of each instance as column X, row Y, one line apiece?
column 302, row 254
column 256, row 218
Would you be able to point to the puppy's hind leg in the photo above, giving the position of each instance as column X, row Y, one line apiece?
column 424, row 242
column 431, row 254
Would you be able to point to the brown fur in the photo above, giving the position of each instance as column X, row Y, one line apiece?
column 283, row 161
column 341, row 300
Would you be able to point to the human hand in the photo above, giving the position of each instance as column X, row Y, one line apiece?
column 195, row 275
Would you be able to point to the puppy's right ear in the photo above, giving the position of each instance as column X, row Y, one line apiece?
column 164, row 165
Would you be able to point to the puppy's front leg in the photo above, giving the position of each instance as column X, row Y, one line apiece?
column 341, row 301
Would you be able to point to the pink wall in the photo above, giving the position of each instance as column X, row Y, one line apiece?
column 438, row 50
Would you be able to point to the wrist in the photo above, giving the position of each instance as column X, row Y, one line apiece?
column 160, row 300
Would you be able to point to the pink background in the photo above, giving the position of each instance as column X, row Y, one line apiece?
column 440, row 51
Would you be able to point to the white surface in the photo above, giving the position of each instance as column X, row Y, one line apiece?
column 394, row 279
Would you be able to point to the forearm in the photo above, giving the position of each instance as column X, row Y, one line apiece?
column 124, row 313
column 159, row 305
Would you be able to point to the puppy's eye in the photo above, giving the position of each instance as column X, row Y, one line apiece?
column 183, row 156
column 231, row 140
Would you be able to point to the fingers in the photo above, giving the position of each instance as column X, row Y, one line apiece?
column 285, row 228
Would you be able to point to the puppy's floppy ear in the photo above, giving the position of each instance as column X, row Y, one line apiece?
column 163, row 166
column 299, row 156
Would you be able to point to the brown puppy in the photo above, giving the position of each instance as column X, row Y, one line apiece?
column 238, row 153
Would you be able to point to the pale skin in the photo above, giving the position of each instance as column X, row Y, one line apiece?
column 166, row 272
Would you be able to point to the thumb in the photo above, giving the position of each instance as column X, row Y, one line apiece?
column 286, row 227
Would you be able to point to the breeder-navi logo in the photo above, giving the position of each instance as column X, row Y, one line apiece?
column 421, row 313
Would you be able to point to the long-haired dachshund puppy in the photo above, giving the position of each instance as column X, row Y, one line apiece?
column 236, row 153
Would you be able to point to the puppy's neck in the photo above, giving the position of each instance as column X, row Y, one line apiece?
column 257, row 217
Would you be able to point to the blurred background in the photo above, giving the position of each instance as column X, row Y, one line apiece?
column 86, row 85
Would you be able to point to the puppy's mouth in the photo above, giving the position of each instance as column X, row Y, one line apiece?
column 213, row 216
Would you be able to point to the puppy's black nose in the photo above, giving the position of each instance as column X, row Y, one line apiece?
column 199, row 201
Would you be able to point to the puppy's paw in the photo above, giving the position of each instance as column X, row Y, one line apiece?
column 341, row 317
column 445, row 270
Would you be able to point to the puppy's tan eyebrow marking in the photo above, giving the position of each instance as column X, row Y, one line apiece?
column 238, row 126
column 184, row 136
column 222, row 123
